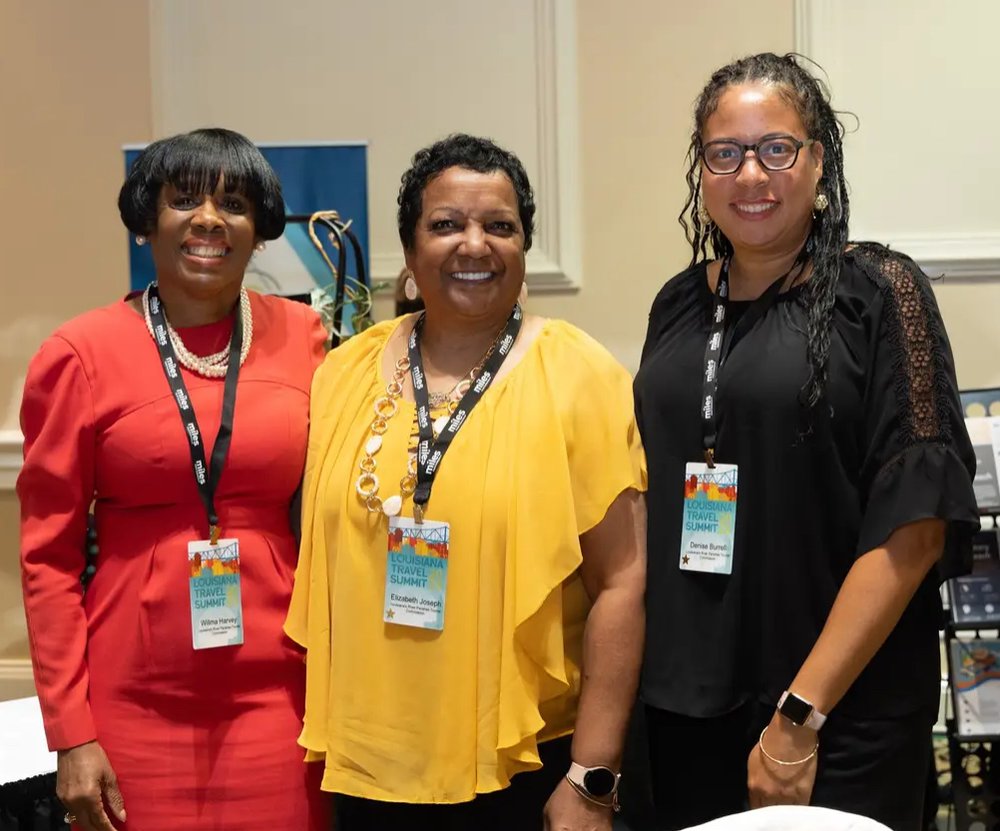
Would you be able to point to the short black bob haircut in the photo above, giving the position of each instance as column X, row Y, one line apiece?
column 194, row 162
column 471, row 153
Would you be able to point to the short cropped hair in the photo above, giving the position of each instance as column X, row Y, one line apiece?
column 471, row 153
column 194, row 162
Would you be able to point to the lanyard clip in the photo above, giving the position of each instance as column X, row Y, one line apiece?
column 710, row 456
column 418, row 513
column 213, row 534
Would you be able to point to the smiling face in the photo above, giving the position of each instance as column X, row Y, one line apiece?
column 468, row 250
column 758, row 209
column 202, row 242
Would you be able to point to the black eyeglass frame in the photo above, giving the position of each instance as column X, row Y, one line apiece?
column 744, row 148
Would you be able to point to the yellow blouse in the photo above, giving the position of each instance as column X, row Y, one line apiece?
column 412, row 715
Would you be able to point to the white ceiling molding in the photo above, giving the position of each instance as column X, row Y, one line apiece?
column 954, row 256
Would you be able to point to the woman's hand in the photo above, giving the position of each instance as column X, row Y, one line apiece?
column 773, row 784
column 84, row 783
column 566, row 810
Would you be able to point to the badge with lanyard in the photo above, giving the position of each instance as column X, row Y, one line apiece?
column 417, row 560
column 213, row 563
column 708, row 529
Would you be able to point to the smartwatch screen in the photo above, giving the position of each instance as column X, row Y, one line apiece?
column 795, row 709
column 599, row 781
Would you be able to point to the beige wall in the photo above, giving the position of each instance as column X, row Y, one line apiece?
column 411, row 73
column 74, row 86
column 921, row 158
column 971, row 311
column 641, row 65
column 921, row 77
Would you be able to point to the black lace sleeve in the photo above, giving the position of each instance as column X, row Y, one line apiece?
column 918, row 460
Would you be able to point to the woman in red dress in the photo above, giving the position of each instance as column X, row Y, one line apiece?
column 150, row 715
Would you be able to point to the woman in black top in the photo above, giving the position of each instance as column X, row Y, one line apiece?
column 832, row 389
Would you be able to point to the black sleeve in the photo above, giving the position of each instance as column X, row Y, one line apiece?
column 670, row 299
column 918, row 460
column 654, row 324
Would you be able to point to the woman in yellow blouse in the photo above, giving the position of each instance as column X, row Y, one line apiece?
column 472, row 570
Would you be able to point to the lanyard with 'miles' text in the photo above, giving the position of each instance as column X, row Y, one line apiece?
column 430, row 451
column 206, row 476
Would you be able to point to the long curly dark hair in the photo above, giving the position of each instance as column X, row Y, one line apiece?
column 829, row 236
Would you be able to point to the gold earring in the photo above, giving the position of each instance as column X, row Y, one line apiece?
column 821, row 203
column 260, row 246
column 410, row 289
column 140, row 239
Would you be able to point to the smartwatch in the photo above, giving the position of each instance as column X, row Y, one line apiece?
column 598, row 783
column 799, row 711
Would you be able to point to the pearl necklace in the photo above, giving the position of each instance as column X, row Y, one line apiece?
column 208, row 366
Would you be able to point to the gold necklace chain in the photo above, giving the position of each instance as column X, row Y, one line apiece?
column 439, row 399
column 367, row 486
column 386, row 406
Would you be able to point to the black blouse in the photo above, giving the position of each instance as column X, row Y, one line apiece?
column 886, row 446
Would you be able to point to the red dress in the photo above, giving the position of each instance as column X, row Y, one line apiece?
column 202, row 740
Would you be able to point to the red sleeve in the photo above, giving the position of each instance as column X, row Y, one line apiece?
column 319, row 338
column 56, row 488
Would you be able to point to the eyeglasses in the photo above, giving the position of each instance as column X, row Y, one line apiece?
column 774, row 153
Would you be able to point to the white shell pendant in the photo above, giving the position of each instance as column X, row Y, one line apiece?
column 373, row 445
column 393, row 505
column 439, row 424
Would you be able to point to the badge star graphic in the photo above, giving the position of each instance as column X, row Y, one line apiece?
column 389, row 613
column 685, row 559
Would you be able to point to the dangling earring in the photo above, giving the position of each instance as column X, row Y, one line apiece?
column 522, row 296
column 703, row 216
column 821, row 203
column 410, row 289
column 260, row 246
column 140, row 239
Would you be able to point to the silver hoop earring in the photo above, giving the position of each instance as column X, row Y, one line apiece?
column 703, row 216
column 821, row 203
column 140, row 239
column 410, row 289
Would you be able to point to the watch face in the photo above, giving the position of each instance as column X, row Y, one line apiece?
column 599, row 781
column 795, row 709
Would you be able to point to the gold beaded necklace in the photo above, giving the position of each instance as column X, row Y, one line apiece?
column 386, row 406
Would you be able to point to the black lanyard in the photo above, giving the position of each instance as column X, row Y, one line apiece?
column 208, row 477
column 430, row 451
column 717, row 349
